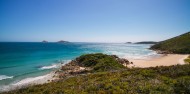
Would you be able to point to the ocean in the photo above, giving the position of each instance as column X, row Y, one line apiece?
column 22, row 60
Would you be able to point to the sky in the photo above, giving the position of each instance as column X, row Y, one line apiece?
column 93, row 20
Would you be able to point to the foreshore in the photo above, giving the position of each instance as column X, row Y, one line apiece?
column 163, row 60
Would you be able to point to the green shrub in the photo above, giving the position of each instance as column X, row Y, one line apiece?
column 182, row 85
column 99, row 62
column 187, row 60
column 148, row 73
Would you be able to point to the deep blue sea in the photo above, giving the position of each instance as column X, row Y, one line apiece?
column 22, row 60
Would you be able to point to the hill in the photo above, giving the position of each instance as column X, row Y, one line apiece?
column 178, row 45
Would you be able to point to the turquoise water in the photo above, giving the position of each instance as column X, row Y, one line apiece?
column 19, row 61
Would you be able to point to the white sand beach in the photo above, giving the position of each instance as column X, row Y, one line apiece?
column 164, row 60
column 30, row 81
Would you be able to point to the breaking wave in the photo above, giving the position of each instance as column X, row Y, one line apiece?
column 2, row 77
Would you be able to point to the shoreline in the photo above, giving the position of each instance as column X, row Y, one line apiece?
column 31, row 81
column 163, row 60
column 43, row 79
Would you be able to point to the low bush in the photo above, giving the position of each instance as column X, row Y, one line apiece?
column 158, row 80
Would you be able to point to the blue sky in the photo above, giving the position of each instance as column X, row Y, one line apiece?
column 93, row 20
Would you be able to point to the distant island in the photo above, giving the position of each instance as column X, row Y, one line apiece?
column 44, row 41
column 128, row 42
column 62, row 41
column 146, row 42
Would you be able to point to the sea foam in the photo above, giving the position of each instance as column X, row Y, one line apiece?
column 49, row 67
column 32, row 80
column 26, row 82
column 57, row 65
column 2, row 77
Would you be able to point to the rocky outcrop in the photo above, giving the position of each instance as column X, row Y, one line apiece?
column 72, row 68
column 122, row 61
column 163, row 52
column 75, row 67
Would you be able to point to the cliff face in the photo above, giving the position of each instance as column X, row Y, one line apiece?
column 178, row 45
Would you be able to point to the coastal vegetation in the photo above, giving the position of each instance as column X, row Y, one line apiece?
column 101, row 62
column 108, row 76
column 92, row 63
column 187, row 60
column 179, row 44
